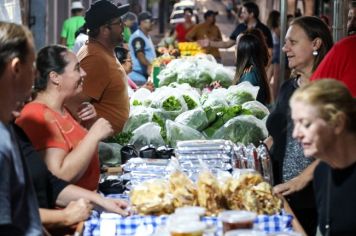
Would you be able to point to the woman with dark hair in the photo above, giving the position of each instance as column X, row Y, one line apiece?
column 69, row 150
column 251, row 59
column 307, row 41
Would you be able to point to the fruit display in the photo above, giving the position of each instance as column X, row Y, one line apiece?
column 189, row 48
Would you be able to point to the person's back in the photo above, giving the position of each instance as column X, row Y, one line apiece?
column 71, row 25
column 339, row 64
column 251, row 56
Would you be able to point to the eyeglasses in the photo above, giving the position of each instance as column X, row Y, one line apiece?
column 120, row 23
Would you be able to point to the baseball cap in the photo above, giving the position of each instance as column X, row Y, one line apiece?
column 102, row 11
column 77, row 5
column 144, row 16
column 210, row 13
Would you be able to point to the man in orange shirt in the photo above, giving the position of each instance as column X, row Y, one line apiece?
column 207, row 30
column 105, row 85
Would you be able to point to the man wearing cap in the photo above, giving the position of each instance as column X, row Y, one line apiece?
column 142, row 50
column 71, row 25
column 207, row 31
column 105, row 85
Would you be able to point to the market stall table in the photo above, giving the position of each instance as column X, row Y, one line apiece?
column 127, row 226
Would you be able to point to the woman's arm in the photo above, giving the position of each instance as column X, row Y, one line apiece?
column 75, row 212
column 71, row 166
column 298, row 183
column 72, row 193
column 269, row 142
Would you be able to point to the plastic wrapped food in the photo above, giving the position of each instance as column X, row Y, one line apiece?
column 242, row 129
column 195, row 119
column 177, row 132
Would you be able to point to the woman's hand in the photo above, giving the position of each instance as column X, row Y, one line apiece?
column 294, row 185
column 77, row 211
column 86, row 111
column 116, row 206
column 101, row 129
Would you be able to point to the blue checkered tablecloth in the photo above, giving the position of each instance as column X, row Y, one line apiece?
column 126, row 226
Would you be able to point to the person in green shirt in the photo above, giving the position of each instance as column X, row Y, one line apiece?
column 72, row 24
column 129, row 19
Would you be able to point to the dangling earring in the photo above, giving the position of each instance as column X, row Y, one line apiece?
column 315, row 53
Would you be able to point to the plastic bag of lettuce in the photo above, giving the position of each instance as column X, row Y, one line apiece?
column 242, row 129
column 256, row 108
column 170, row 101
column 169, row 74
column 195, row 119
column 140, row 97
column 223, row 75
column 149, row 133
column 178, row 132
column 216, row 98
column 241, row 93
column 141, row 115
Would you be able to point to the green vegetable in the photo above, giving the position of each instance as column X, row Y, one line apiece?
column 157, row 119
column 178, row 132
column 203, row 80
column 190, row 102
column 195, row 119
column 136, row 103
column 224, row 79
column 171, row 104
column 136, row 121
column 167, row 76
column 210, row 114
column 239, row 97
column 122, row 138
column 242, row 129
column 223, row 116
column 256, row 109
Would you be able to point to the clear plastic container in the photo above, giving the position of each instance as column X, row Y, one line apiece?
column 232, row 220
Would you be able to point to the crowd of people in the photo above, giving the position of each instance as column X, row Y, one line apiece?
column 58, row 104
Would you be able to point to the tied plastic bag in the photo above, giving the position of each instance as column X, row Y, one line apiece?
column 195, row 119
column 187, row 73
column 242, row 129
column 241, row 93
column 142, row 115
column 191, row 98
column 223, row 75
column 138, row 117
column 167, row 76
column 256, row 108
column 178, row 132
column 170, row 101
column 205, row 73
column 216, row 98
column 149, row 133
column 140, row 97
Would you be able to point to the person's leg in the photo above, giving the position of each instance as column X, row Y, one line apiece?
column 291, row 7
column 308, row 7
